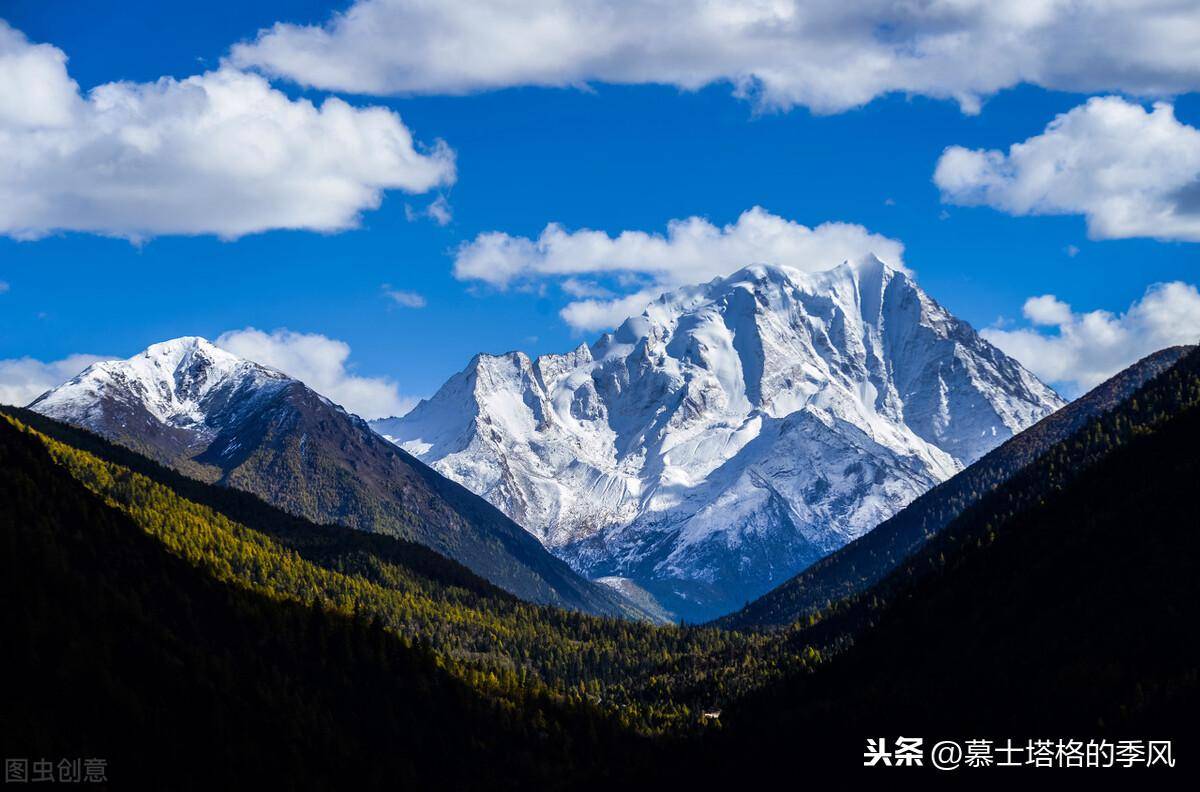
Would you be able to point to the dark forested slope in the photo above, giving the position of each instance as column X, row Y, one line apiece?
column 1063, row 602
column 280, row 440
column 648, row 678
column 117, row 649
column 862, row 563
column 165, row 624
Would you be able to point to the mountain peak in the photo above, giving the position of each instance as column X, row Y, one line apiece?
column 734, row 431
column 182, row 343
column 489, row 360
column 176, row 382
column 220, row 418
column 185, row 345
column 180, row 353
column 871, row 265
column 868, row 267
column 187, row 352
column 774, row 287
column 757, row 272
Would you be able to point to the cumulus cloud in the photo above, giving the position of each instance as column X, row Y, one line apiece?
column 591, row 315
column 321, row 364
column 217, row 153
column 406, row 299
column 1047, row 310
column 1080, row 350
column 35, row 90
column 692, row 250
column 24, row 379
column 1129, row 171
column 823, row 54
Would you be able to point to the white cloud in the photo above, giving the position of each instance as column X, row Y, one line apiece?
column 320, row 363
column 1047, row 310
column 1087, row 348
column 824, row 54
column 407, row 299
column 4, row 287
column 217, row 153
column 438, row 211
column 591, row 315
column 692, row 250
column 579, row 287
column 1130, row 172
column 24, row 379
column 35, row 90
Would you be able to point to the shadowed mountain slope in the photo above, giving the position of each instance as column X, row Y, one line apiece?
column 862, row 563
column 120, row 650
column 230, row 421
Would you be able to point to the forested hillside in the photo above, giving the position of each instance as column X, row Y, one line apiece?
column 866, row 561
column 222, row 419
column 118, row 649
column 649, row 678
column 165, row 622
column 1062, row 602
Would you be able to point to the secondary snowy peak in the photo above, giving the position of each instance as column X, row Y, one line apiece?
column 222, row 419
column 733, row 432
column 179, row 383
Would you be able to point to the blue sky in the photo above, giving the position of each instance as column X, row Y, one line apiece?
column 608, row 157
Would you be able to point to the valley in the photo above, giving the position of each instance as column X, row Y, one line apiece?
column 634, row 682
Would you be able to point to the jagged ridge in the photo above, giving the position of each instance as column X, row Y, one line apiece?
column 733, row 433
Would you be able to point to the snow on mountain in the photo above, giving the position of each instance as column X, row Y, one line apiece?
column 223, row 419
column 734, row 432
column 181, row 384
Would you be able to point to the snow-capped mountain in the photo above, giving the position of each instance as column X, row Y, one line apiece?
column 220, row 418
column 177, row 395
column 733, row 433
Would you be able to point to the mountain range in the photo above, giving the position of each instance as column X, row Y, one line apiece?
column 222, row 419
column 732, row 434
column 166, row 623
